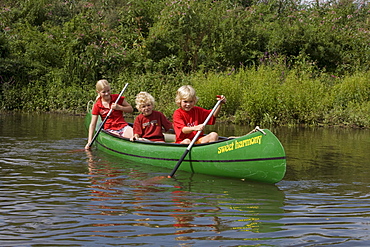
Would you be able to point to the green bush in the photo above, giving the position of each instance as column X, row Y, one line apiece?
column 209, row 85
column 352, row 89
column 277, row 62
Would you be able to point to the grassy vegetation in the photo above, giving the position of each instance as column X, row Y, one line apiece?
column 277, row 62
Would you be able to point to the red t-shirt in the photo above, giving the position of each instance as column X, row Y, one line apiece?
column 150, row 127
column 116, row 120
column 195, row 116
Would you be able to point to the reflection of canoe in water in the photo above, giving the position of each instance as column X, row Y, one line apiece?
column 242, row 206
column 195, row 201
column 257, row 156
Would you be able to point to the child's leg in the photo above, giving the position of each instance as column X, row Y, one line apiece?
column 211, row 137
column 185, row 141
column 128, row 132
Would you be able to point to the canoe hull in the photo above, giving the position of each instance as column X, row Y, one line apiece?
column 256, row 156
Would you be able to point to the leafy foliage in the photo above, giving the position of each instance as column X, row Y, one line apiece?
column 278, row 62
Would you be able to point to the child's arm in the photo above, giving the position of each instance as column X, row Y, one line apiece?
column 166, row 124
column 219, row 97
column 125, row 107
column 137, row 129
column 135, row 137
column 94, row 120
column 188, row 130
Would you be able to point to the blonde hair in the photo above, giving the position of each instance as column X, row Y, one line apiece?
column 100, row 85
column 186, row 92
column 144, row 98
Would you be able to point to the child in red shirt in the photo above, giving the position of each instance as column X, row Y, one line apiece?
column 105, row 101
column 188, row 119
column 149, row 125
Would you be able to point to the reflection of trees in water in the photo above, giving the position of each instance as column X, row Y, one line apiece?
column 196, row 204
column 326, row 154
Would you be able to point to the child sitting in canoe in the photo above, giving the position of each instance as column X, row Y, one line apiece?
column 149, row 125
column 105, row 101
column 188, row 118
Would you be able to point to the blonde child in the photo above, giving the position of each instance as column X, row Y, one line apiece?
column 105, row 101
column 188, row 118
column 149, row 125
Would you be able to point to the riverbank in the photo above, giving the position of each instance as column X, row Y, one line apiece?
column 255, row 96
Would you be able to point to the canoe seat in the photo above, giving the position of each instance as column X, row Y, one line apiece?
column 169, row 137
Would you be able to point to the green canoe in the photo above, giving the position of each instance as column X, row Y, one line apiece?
column 257, row 156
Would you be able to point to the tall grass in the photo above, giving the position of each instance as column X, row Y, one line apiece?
column 263, row 95
column 270, row 96
column 351, row 101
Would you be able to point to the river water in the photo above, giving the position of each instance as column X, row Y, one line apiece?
column 54, row 194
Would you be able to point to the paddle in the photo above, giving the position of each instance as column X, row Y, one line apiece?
column 105, row 119
column 194, row 140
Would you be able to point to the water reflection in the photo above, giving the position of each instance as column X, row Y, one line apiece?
column 195, row 202
column 327, row 154
column 51, row 196
column 250, row 206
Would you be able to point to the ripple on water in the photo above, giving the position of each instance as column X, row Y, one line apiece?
column 51, row 196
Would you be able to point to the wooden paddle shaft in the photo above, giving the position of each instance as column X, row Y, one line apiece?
column 194, row 139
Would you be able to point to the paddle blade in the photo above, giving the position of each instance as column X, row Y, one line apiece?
column 153, row 180
column 181, row 159
column 76, row 151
